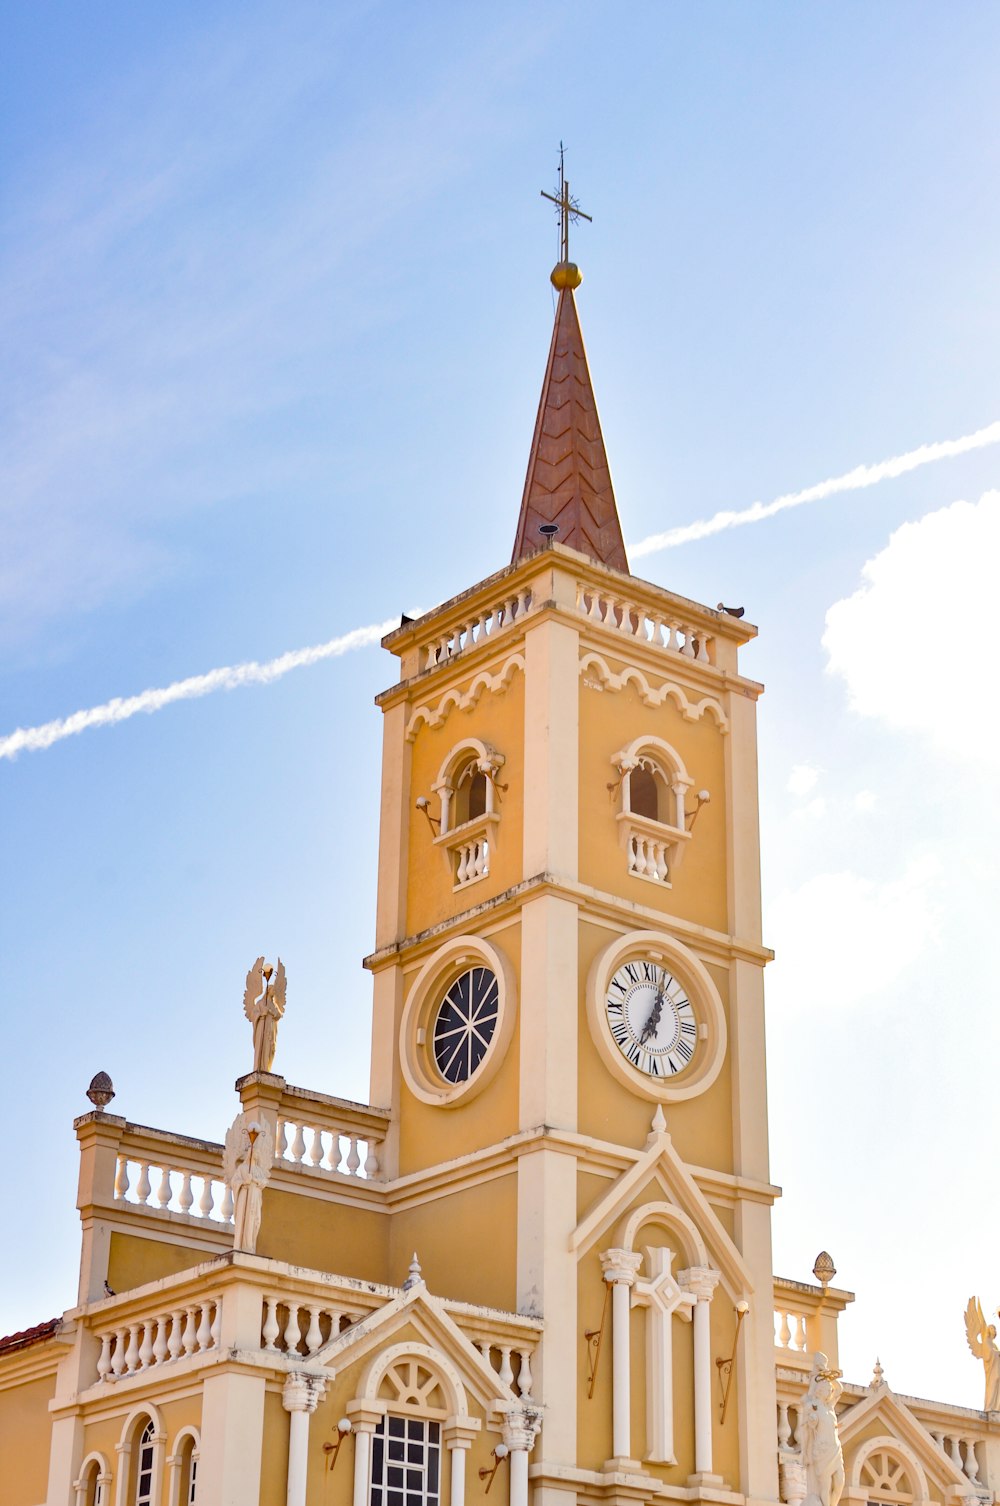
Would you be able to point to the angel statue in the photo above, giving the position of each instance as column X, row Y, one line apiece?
column 263, row 1005
column 247, row 1158
column 819, row 1438
column 982, row 1339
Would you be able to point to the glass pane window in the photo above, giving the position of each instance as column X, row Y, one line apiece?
column 406, row 1462
column 144, row 1468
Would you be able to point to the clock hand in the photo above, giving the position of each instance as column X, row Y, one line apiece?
column 653, row 1023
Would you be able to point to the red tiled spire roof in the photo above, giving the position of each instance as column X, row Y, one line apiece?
column 568, row 481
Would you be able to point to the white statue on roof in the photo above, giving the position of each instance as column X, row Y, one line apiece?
column 263, row 1005
column 819, row 1438
column 246, row 1166
column 982, row 1339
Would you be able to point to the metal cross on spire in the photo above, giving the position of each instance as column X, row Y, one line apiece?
column 566, row 205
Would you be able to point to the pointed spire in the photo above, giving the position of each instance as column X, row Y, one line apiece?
column 568, row 482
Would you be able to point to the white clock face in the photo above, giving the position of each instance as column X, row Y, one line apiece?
column 651, row 1019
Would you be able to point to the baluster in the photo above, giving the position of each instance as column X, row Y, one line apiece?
column 186, row 1196
column 785, row 1334
column 477, row 622
column 524, row 601
column 142, row 1188
column 227, row 1204
column 795, row 1426
column 656, row 627
column 463, row 865
column 293, row 1331
column 484, row 1346
column 217, row 1323
column 688, row 649
column 938, row 1439
column 121, row 1178
column 160, row 1346
column 334, row 1157
column 164, row 1192
column 316, row 1152
column 955, row 1453
column 299, row 1143
column 314, row 1335
column 971, row 1467
column 271, row 1329
column 353, row 1158
column 371, row 1160
column 800, row 1332
column 118, row 1360
column 702, row 655
column 672, row 641
column 581, row 598
column 336, row 1316
column 104, row 1358
column 190, row 1331
column 204, row 1334
column 525, row 1380
column 207, row 1200
column 283, row 1140
column 506, row 1373
column 595, row 608
column 132, row 1352
column 175, row 1342
column 784, row 1430
column 660, row 858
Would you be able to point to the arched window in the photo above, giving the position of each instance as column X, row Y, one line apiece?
column 648, row 792
column 470, row 798
column 183, row 1464
column 885, row 1476
column 91, row 1487
column 470, row 792
column 651, row 791
column 406, row 1445
column 143, row 1466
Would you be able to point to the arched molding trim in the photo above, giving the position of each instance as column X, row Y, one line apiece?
column 886, row 1443
column 94, row 1468
column 464, row 700
column 186, row 1447
column 650, row 695
column 441, row 1370
column 436, row 976
column 656, row 946
column 676, row 1222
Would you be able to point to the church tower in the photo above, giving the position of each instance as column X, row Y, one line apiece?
column 568, row 1018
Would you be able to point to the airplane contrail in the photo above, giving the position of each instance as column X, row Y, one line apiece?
column 230, row 677
column 32, row 739
column 851, row 481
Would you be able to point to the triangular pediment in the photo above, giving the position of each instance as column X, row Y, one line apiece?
column 418, row 1317
column 881, row 1408
column 659, row 1176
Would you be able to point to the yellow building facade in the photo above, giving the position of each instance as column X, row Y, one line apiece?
column 538, row 1264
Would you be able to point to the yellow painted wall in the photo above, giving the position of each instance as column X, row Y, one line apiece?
column 274, row 1456
column 482, row 1218
column 133, row 1261
column 324, row 1236
column 609, row 721
column 496, row 719
column 25, row 1433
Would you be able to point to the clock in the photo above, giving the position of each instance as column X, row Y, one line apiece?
column 457, row 1021
column 656, row 1016
column 651, row 1018
column 465, row 1024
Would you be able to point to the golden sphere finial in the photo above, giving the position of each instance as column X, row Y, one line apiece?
column 566, row 274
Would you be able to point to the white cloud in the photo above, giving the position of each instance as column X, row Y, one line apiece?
column 814, row 811
column 909, row 642
column 865, row 800
column 802, row 779
column 841, row 938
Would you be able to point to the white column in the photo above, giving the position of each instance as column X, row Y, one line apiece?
column 520, row 1429
column 620, row 1268
column 300, row 1397
column 661, row 1294
column 362, row 1457
column 701, row 1283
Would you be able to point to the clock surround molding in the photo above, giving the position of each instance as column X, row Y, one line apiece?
column 702, row 992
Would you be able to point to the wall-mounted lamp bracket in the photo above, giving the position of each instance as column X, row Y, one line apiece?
column 488, row 1471
column 595, row 1338
column 726, row 1365
column 332, row 1450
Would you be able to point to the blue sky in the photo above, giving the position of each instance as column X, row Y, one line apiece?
column 274, row 310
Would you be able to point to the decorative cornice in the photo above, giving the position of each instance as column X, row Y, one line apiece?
column 651, row 695
column 458, row 700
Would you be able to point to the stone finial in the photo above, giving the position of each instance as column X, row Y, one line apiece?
column 658, row 1125
column 878, row 1376
column 415, row 1278
column 823, row 1268
column 101, row 1090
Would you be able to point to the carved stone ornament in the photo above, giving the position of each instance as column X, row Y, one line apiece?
column 981, row 1337
column 247, row 1159
column 263, row 1005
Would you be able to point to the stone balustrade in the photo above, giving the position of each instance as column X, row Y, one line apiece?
column 163, row 1185
column 961, row 1450
column 499, row 1358
column 635, row 621
column 790, row 1330
column 472, row 860
column 647, row 857
column 172, row 1335
column 305, row 1143
column 292, row 1327
column 486, row 624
